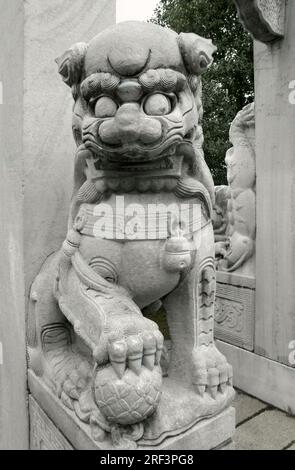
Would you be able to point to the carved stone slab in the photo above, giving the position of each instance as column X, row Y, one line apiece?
column 264, row 19
column 44, row 435
column 235, row 310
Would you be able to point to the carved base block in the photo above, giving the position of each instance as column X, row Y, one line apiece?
column 49, row 427
column 44, row 435
column 235, row 310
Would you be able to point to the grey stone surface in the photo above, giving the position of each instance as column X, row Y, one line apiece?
column 270, row 381
column 35, row 158
column 275, row 250
column 205, row 435
column 48, row 147
column 13, row 411
column 270, row 430
column 246, row 406
column 229, row 446
column 44, row 435
column 265, row 20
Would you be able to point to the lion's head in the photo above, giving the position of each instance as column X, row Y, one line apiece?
column 138, row 110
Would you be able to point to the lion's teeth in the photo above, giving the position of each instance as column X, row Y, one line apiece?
column 113, row 184
column 157, row 185
column 128, row 184
column 143, row 185
column 169, row 184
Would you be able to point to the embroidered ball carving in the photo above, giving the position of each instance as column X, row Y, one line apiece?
column 130, row 399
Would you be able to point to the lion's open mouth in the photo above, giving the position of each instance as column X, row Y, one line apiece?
column 164, row 163
column 161, row 174
column 143, row 176
column 129, row 153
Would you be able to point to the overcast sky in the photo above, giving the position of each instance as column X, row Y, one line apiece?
column 135, row 9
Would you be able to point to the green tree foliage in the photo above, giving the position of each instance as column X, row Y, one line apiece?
column 229, row 84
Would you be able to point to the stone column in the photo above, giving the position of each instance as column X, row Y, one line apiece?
column 36, row 156
column 268, row 372
column 13, row 409
column 275, row 144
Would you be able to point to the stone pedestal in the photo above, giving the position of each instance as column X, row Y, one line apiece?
column 54, row 427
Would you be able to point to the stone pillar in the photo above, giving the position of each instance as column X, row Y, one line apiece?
column 36, row 156
column 13, row 408
column 275, row 144
column 268, row 372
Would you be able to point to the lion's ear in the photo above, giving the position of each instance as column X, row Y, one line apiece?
column 71, row 63
column 197, row 52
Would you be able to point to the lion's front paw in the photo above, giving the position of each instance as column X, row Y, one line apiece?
column 128, row 388
column 211, row 371
column 130, row 341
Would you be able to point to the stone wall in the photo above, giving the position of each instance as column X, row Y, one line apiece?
column 49, row 149
column 13, row 422
column 36, row 156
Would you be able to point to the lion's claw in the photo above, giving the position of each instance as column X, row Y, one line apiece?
column 135, row 352
column 211, row 372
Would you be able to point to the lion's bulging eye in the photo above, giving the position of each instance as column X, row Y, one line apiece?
column 105, row 107
column 157, row 105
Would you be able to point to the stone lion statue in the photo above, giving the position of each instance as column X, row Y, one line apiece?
column 137, row 125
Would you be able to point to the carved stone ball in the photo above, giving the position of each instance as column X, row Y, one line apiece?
column 130, row 399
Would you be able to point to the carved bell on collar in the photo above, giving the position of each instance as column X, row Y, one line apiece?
column 177, row 255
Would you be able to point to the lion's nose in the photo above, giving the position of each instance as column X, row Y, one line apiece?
column 129, row 125
column 127, row 122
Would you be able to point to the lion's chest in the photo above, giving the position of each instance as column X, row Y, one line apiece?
column 135, row 265
column 124, row 240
